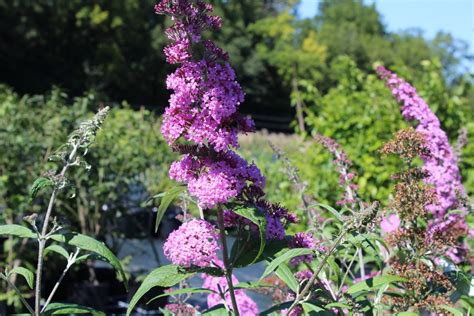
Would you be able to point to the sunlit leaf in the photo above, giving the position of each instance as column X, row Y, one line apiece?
column 70, row 309
column 17, row 230
column 374, row 283
column 165, row 276
column 283, row 258
column 27, row 274
column 99, row 248
column 168, row 197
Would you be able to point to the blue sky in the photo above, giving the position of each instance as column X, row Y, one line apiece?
column 453, row 16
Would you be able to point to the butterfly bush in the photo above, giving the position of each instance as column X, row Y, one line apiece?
column 203, row 108
column 202, row 123
column 441, row 163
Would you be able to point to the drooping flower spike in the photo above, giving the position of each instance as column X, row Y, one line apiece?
column 440, row 164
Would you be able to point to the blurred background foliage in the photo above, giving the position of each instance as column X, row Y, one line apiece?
column 310, row 75
column 129, row 160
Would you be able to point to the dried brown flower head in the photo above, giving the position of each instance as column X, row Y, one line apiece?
column 411, row 199
column 408, row 144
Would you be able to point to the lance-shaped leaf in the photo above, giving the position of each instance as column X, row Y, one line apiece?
column 168, row 197
column 99, row 248
column 251, row 248
column 374, row 283
column 17, row 230
column 70, row 309
column 283, row 258
column 451, row 309
column 217, row 310
column 285, row 274
column 188, row 290
column 27, row 274
column 165, row 276
column 57, row 249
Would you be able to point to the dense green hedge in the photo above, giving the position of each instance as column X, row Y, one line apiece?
column 129, row 158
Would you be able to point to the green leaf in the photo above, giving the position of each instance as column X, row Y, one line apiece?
column 68, row 309
column 17, row 230
column 57, row 249
column 39, row 184
column 90, row 244
column 27, row 274
column 217, row 310
column 331, row 210
column 283, row 258
column 218, row 272
column 252, row 285
column 373, row 283
column 407, row 314
column 165, row 276
column 275, row 308
column 258, row 218
column 87, row 257
column 168, row 197
column 250, row 252
column 337, row 304
column 183, row 291
column 451, row 309
column 311, row 309
column 285, row 274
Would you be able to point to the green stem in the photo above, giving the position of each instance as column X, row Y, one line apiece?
column 13, row 286
column 314, row 277
column 42, row 237
column 227, row 266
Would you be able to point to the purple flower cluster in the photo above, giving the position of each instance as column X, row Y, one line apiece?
column 203, row 108
column 216, row 179
column 245, row 304
column 442, row 163
column 343, row 164
column 194, row 243
column 302, row 240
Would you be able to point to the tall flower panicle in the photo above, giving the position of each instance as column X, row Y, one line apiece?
column 442, row 163
column 343, row 165
column 203, row 108
column 194, row 243
column 202, row 123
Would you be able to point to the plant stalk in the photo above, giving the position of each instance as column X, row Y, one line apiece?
column 70, row 262
column 314, row 277
column 13, row 286
column 44, row 233
column 227, row 266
